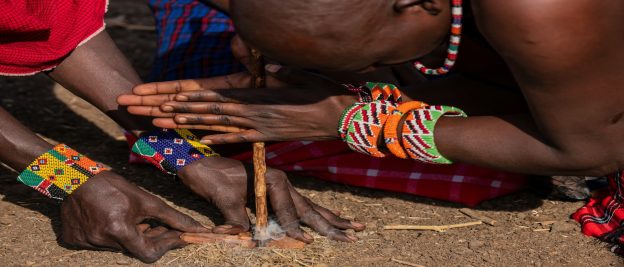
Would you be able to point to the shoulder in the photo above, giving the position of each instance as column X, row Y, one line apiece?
column 552, row 34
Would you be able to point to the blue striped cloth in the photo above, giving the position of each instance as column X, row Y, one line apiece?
column 193, row 41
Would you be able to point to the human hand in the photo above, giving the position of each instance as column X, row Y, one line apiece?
column 228, row 184
column 107, row 213
column 309, row 109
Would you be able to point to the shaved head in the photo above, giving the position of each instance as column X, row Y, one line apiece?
column 327, row 34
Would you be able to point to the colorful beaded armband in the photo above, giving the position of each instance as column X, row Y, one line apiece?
column 361, row 126
column 391, row 128
column 59, row 172
column 171, row 150
column 372, row 91
column 418, row 133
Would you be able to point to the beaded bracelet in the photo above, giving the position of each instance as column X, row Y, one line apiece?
column 372, row 91
column 418, row 133
column 171, row 150
column 391, row 133
column 386, row 92
column 362, row 126
column 59, row 172
column 347, row 117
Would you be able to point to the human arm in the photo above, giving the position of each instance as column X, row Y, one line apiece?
column 567, row 132
column 99, row 72
column 570, row 74
column 106, row 212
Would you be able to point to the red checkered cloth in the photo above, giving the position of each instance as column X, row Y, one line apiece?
column 334, row 161
column 603, row 216
column 36, row 35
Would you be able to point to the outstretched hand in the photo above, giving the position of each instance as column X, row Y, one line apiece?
column 228, row 184
column 108, row 213
column 298, row 105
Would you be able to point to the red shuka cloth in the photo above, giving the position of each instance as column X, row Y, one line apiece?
column 603, row 216
column 36, row 35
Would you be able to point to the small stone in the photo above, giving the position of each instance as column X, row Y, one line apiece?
column 123, row 262
column 562, row 227
column 5, row 221
column 460, row 250
column 475, row 244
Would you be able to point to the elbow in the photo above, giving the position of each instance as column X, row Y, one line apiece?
column 588, row 165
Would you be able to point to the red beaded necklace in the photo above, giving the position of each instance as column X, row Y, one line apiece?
column 455, row 40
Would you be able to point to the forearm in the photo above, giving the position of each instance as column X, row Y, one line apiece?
column 19, row 146
column 98, row 72
column 513, row 143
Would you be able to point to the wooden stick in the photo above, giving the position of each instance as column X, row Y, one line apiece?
column 406, row 263
column 472, row 214
column 259, row 154
column 437, row 228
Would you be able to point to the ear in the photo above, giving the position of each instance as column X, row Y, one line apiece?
column 432, row 7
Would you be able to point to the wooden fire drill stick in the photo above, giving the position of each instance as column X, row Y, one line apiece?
column 258, row 80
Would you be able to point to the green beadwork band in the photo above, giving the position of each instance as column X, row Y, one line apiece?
column 59, row 172
column 418, row 133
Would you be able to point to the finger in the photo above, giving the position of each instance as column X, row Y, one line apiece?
column 143, row 227
column 283, row 206
column 206, row 96
column 319, row 223
column 151, row 100
column 171, row 87
column 153, row 232
column 236, row 218
column 207, row 119
column 177, row 220
column 335, row 219
column 150, row 249
column 204, row 108
column 149, row 111
column 246, row 136
column 169, row 123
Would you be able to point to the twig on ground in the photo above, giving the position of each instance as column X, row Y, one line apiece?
column 290, row 258
column 406, row 263
column 472, row 214
column 437, row 228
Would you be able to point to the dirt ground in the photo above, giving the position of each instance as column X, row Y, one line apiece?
column 29, row 224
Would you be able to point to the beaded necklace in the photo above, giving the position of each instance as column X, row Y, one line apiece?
column 455, row 40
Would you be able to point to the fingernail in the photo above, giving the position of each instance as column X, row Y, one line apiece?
column 182, row 120
column 225, row 226
column 357, row 225
column 206, row 142
column 307, row 236
column 272, row 67
column 181, row 98
column 167, row 108
column 352, row 238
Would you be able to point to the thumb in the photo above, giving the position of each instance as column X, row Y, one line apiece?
column 178, row 220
